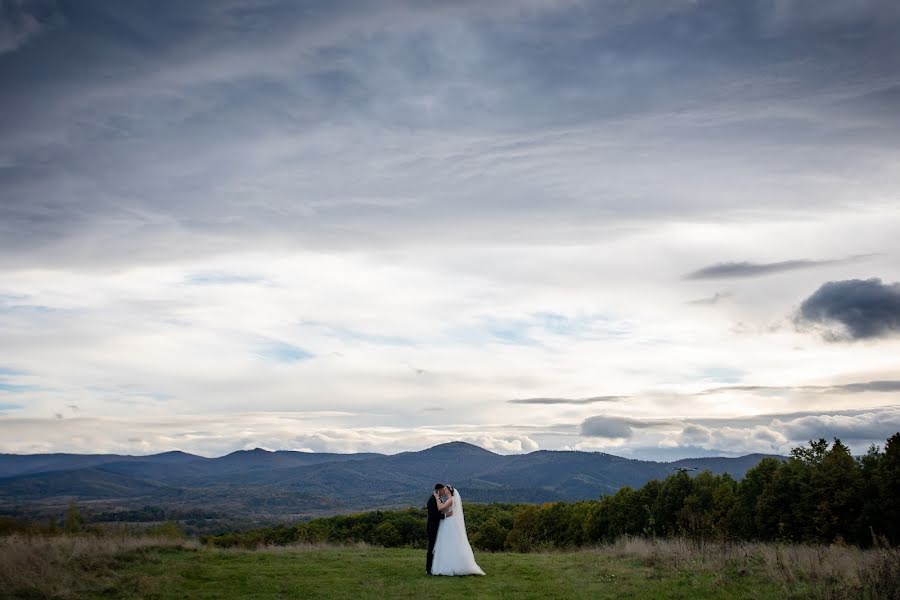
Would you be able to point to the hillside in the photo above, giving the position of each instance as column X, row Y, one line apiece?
column 261, row 483
column 71, row 568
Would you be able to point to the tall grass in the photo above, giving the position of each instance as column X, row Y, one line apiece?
column 62, row 566
column 69, row 567
column 835, row 571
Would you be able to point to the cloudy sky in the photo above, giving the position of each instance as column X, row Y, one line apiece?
column 658, row 229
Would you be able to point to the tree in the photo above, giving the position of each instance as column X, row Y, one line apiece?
column 785, row 507
column 670, row 501
column 490, row 536
column 524, row 534
column 387, row 535
column 749, row 491
column 889, row 488
column 73, row 519
column 837, row 483
column 813, row 455
column 706, row 509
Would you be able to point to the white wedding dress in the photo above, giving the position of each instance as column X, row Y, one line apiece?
column 452, row 552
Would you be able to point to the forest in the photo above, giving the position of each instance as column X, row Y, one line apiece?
column 820, row 494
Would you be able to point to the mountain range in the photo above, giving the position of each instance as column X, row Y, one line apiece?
column 278, row 484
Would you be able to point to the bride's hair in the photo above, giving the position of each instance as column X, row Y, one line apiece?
column 452, row 491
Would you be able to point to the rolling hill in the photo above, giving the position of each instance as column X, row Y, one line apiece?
column 264, row 484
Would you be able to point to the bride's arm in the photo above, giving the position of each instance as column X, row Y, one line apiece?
column 442, row 506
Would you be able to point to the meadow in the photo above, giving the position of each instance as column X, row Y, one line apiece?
column 126, row 567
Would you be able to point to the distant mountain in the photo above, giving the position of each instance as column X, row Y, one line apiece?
column 90, row 483
column 21, row 464
column 261, row 483
column 175, row 461
column 736, row 467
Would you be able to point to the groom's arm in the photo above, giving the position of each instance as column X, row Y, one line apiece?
column 433, row 509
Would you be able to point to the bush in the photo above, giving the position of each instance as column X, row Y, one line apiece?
column 170, row 530
column 490, row 536
column 387, row 535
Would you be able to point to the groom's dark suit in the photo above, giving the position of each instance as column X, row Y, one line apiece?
column 434, row 520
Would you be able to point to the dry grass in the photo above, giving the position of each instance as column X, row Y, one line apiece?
column 61, row 566
column 73, row 567
column 835, row 571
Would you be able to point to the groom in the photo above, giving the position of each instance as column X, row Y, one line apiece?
column 434, row 520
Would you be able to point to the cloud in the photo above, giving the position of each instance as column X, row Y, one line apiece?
column 753, row 433
column 524, row 124
column 553, row 401
column 219, row 434
column 888, row 385
column 616, row 427
column 21, row 20
column 714, row 299
column 866, row 386
column 354, row 336
column 732, row 270
column 694, row 435
column 853, row 309
column 214, row 278
column 870, row 426
column 512, row 444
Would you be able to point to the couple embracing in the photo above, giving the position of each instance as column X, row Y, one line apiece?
column 449, row 552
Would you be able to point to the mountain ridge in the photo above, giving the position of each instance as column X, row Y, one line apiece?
column 289, row 483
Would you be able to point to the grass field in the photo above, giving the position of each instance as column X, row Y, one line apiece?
column 67, row 568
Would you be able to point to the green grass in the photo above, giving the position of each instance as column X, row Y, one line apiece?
column 127, row 567
column 336, row 573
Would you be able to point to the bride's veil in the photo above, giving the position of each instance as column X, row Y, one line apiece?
column 458, row 511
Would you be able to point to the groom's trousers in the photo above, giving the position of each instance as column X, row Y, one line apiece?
column 432, row 538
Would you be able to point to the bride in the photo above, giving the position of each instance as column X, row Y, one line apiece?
column 452, row 552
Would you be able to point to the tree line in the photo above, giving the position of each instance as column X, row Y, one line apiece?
column 820, row 494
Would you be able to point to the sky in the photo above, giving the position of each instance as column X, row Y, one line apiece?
column 657, row 229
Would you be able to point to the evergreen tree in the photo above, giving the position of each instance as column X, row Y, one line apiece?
column 837, row 484
column 889, row 488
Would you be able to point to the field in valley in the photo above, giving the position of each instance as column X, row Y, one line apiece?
column 83, row 567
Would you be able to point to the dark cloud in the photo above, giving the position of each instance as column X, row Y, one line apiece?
column 168, row 128
column 854, row 309
column 21, row 20
column 732, row 270
column 593, row 400
column 619, row 427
